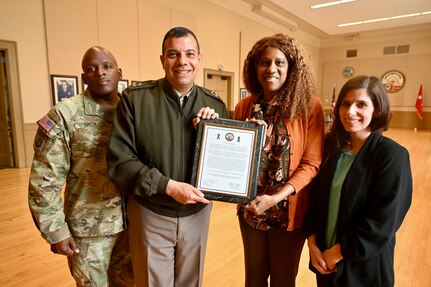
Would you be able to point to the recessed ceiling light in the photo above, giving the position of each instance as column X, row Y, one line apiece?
column 384, row 19
column 349, row 24
column 376, row 20
column 405, row 16
column 330, row 4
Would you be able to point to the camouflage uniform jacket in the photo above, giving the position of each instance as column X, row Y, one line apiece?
column 70, row 150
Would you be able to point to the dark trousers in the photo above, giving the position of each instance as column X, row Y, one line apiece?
column 325, row 280
column 271, row 254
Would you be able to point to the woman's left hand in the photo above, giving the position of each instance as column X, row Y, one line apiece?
column 260, row 123
column 263, row 202
column 316, row 256
column 260, row 204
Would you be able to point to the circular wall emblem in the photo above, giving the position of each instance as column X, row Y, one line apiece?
column 394, row 81
column 348, row 72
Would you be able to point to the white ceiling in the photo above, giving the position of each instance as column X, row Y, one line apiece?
column 323, row 22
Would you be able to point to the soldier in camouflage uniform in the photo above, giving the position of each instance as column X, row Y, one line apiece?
column 69, row 150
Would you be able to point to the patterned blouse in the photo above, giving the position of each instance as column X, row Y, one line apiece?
column 273, row 170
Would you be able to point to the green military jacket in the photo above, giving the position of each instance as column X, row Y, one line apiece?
column 153, row 140
column 70, row 154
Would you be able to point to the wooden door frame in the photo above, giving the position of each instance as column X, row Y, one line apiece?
column 230, row 75
column 15, row 106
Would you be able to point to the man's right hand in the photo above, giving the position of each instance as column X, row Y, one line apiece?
column 66, row 247
column 184, row 193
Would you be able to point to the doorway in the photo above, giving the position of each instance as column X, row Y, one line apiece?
column 221, row 83
column 12, row 153
column 6, row 147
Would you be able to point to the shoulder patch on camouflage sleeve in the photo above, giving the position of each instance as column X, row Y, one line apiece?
column 46, row 123
column 39, row 140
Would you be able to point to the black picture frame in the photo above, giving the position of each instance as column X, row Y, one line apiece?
column 243, row 93
column 122, row 85
column 224, row 168
column 63, row 87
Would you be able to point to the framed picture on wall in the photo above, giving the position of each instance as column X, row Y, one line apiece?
column 243, row 93
column 63, row 87
column 122, row 85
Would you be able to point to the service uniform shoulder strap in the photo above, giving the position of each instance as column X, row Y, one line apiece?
column 210, row 93
column 143, row 84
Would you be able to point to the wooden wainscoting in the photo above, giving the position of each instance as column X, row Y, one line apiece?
column 407, row 120
column 410, row 120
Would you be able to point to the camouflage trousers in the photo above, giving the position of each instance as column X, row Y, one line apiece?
column 102, row 261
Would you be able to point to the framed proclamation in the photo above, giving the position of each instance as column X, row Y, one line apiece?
column 227, row 159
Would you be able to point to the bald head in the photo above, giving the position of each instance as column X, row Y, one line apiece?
column 96, row 50
column 101, row 73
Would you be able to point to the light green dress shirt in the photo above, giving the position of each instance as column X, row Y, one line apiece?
column 343, row 166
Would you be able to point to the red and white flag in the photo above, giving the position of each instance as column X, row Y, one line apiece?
column 419, row 103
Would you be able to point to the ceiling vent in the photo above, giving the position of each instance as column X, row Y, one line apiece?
column 352, row 53
column 390, row 50
column 402, row 49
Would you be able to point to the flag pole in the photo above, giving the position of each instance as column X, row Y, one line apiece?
column 418, row 106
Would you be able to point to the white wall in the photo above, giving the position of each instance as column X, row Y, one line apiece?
column 133, row 31
column 371, row 61
column 22, row 21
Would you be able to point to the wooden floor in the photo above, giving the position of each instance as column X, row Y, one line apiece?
column 25, row 259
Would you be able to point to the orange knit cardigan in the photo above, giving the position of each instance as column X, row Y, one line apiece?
column 306, row 148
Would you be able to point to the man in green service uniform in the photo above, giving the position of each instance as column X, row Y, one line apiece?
column 151, row 158
column 70, row 150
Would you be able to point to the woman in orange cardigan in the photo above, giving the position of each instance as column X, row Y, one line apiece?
column 283, row 99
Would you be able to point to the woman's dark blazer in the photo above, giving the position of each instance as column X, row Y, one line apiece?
column 375, row 197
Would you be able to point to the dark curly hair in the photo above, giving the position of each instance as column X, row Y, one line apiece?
column 297, row 92
column 338, row 138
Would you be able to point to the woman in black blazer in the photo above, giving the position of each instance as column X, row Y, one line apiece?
column 361, row 194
